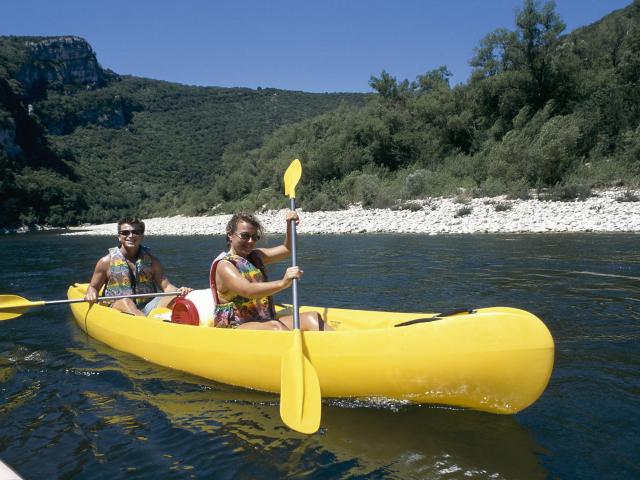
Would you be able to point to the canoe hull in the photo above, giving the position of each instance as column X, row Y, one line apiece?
column 497, row 360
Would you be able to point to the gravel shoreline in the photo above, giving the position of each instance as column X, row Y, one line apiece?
column 602, row 212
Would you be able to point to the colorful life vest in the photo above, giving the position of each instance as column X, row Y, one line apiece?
column 241, row 310
column 124, row 281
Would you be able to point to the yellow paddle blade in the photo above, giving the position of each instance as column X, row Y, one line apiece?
column 12, row 306
column 300, row 398
column 292, row 177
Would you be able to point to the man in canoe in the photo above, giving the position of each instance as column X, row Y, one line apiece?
column 130, row 268
column 242, row 293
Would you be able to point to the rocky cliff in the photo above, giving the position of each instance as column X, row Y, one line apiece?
column 31, row 68
column 50, row 76
column 58, row 62
column 34, row 179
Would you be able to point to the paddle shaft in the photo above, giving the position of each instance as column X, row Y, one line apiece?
column 294, row 262
column 115, row 297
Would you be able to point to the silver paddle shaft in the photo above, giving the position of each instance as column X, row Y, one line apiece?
column 115, row 297
column 294, row 262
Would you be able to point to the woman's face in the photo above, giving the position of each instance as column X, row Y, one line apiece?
column 244, row 239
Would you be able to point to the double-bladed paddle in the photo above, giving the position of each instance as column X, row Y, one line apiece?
column 300, row 398
column 12, row 306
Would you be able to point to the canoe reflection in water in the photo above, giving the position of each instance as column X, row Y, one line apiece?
column 238, row 431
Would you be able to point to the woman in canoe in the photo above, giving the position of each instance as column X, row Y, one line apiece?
column 242, row 293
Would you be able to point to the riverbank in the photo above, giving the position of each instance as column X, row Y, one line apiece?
column 603, row 212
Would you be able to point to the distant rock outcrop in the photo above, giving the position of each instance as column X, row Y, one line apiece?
column 58, row 60
column 54, row 78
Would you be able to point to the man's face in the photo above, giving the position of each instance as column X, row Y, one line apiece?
column 130, row 235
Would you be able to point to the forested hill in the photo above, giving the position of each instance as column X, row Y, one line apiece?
column 79, row 143
column 544, row 112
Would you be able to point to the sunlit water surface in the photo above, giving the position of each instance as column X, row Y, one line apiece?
column 71, row 407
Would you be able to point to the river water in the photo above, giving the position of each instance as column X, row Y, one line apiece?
column 71, row 407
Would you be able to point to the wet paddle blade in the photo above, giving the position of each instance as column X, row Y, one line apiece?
column 292, row 177
column 12, row 306
column 300, row 398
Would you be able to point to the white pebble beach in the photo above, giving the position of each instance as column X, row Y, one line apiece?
column 602, row 212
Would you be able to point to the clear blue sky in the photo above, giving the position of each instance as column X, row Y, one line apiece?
column 309, row 45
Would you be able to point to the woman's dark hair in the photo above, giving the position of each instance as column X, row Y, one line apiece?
column 135, row 222
column 232, row 226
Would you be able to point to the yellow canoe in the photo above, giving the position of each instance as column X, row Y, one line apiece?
column 497, row 359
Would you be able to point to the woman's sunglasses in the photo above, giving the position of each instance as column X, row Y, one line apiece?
column 127, row 233
column 246, row 236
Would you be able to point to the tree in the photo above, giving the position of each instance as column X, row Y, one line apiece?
column 526, row 55
column 493, row 55
column 388, row 87
column 538, row 36
column 437, row 79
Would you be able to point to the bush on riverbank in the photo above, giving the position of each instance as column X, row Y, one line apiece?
column 628, row 196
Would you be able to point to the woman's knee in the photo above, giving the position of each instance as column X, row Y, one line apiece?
column 313, row 321
column 277, row 325
column 127, row 305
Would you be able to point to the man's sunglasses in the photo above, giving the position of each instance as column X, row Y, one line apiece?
column 127, row 233
column 246, row 236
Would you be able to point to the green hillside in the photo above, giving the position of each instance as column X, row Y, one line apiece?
column 115, row 144
column 542, row 110
column 170, row 153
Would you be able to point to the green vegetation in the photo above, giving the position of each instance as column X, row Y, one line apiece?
column 76, row 152
column 502, row 207
column 463, row 212
column 542, row 111
column 628, row 196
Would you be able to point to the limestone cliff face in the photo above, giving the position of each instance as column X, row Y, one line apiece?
column 59, row 82
column 58, row 60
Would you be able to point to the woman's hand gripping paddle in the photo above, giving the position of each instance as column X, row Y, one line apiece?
column 300, row 398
